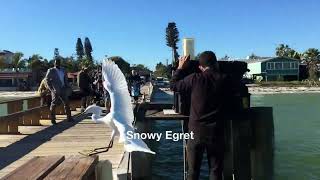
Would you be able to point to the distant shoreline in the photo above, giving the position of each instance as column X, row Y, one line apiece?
column 283, row 90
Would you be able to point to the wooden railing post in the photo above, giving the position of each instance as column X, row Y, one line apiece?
column 3, row 125
column 45, row 112
column 14, row 106
column 34, row 102
column 13, row 122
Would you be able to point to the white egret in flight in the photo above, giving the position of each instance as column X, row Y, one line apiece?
column 120, row 117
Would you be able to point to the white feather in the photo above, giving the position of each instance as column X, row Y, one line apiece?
column 121, row 116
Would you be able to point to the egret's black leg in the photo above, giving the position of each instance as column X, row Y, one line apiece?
column 109, row 146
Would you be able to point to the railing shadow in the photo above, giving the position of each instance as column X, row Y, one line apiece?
column 17, row 150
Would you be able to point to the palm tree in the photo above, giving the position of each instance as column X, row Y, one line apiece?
column 36, row 65
column 312, row 58
column 294, row 54
column 17, row 61
column 283, row 50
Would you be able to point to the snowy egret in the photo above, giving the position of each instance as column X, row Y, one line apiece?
column 120, row 117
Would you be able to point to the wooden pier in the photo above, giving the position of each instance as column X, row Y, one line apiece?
column 26, row 132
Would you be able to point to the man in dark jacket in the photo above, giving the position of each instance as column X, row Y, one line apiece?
column 205, row 113
column 84, row 83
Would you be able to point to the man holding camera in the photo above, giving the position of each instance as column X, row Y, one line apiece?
column 205, row 119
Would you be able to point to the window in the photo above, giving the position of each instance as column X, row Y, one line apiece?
column 294, row 65
column 270, row 66
column 286, row 65
column 278, row 65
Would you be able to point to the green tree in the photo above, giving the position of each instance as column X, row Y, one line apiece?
column 122, row 64
column 172, row 37
column 294, row 54
column 140, row 67
column 35, row 63
column 88, row 49
column 17, row 61
column 56, row 53
column 311, row 54
column 2, row 63
column 312, row 58
column 161, row 71
column 79, row 49
column 284, row 50
column 71, row 64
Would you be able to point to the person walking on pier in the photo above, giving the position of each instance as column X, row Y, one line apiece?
column 84, row 83
column 205, row 114
column 58, row 84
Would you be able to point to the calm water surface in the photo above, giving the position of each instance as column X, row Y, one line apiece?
column 297, row 139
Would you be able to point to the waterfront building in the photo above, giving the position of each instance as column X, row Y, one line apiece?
column 7, row 56
column 275, row 68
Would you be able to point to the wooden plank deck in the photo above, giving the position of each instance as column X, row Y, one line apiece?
column 63, row 139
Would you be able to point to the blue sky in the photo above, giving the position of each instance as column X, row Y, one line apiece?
column 135, row 29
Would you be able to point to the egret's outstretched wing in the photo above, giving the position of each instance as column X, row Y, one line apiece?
column 115, row 83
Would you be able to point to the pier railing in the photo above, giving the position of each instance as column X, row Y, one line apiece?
column 26, row 112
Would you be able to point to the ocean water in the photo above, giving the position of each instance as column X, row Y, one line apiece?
column 297, row 140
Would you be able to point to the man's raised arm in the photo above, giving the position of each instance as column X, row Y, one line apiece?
column 180, row 82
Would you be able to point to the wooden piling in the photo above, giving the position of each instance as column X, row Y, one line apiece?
column 228, row 153
column 241, row 136
column 263, row 143
column 141, row 162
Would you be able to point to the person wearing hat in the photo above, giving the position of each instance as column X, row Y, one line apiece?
column 84, row 84
column 205, row 120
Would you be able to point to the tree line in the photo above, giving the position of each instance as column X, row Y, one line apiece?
column 39, row 65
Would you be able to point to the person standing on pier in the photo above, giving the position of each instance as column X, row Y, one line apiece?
column 135, row 82
column 84, row 83
column 205, row 113
column 58, row 84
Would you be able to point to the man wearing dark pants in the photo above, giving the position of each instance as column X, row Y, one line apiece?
column 84, row 83
column 57, row 81
column 205, row 120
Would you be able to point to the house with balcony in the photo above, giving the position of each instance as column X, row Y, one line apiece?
column 275, row 68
